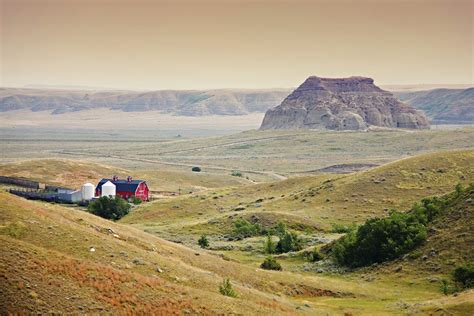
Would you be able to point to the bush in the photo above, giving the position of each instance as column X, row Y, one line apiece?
column 314, row 255
column 226, row 289
column 385, row 239
column 270, row 264
column 244, row 229
column 136, row 200
column 196, row 169
column 109, row 208
column 269, row 246
column 236, row 173
column 289, row 242
column 380, row 240
column 464, row 275
column 342, row 229
column 203, row 242
column 279, row 229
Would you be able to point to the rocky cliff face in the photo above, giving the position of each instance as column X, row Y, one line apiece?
column 341, row 104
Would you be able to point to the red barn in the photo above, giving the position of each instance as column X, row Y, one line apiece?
column 126, row 188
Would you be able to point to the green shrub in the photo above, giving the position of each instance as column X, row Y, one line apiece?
column 244, row 229
column 445, row 287
column 196, row 169
column 387, row 238
column 136, row 200
column 236, row 173
column 342, row 229
column 314, row 255
column 464, row 275
column 203, row 242
column 380, row 240
column 279, row 229
column 269, row 246
column 109, row 208
column 270, row 264
column 226, row 289
column 289, row 242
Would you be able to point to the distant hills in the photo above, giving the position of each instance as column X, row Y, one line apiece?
column 187, row 103
column 353, row 103
column 443, row 105
column 440, row 105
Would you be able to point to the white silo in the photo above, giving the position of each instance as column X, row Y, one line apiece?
column 108, row 189
column 88, row 191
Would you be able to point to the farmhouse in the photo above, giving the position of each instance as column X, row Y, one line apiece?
column 126, row 188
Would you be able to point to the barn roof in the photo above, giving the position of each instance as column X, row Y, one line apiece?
column 122, row 185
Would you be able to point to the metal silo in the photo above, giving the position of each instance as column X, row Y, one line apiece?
column 108, row 189
column 88, row 191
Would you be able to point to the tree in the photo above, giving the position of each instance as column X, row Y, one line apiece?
column 269, row 246
column 289, row 242
column 203, row 241
column 226, row 288
column 270, row 264
column 109, row 208
column 196, row 169
column 464, row 275
column 245, row 229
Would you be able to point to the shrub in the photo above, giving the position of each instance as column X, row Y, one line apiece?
column 464, row 275
column 136, row 200
column 444, row 287
column 289, row 242
column 236, row 173
column 342, row 229
column 314, row 255
column 109, row 208
column 379, row 240
column 270, row 264
column 203, row 242
column 244, row 229
column 196, row 169
column 279, row 229
column 226, row 289
column 269, row 246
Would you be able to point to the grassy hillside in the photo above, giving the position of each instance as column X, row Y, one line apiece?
column 443, row 105
column 73, row 173
column 47, row 266
column 312, row 202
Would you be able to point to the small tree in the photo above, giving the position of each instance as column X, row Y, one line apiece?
column 203, row 241
column 270, row 264
column 109, row 208
column 226, row 288
column 314, row 255
column 236, row 173
column 269, row 246
column 289, row 242
column 196, row 169
column 136, row 200
column 464, row 275
column 280, row 229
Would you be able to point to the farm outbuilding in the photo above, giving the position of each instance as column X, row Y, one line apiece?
column 126, row 188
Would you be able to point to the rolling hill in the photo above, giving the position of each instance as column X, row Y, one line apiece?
column 60, row 259
column 443, row 105
column 184, row 103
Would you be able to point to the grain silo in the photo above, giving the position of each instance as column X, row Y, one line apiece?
column 88, row 190
column 108, row 189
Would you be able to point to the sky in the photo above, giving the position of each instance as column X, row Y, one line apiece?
column 210, row 44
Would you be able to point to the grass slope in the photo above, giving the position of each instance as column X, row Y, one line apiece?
column 74, row 173
column 314, row 202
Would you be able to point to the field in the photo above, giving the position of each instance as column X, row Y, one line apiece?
column 309, row 181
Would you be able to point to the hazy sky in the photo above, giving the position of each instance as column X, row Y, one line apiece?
column 196, row 44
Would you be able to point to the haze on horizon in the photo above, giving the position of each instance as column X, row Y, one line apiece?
column 213, row 44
